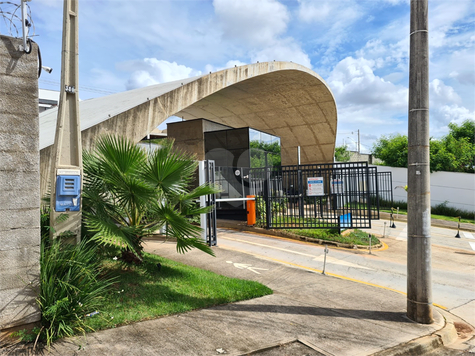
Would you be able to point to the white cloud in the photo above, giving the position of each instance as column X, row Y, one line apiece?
column 253, row 22
column 441, row 116
column 441, row 93
column 285, row 50
column 229, row 64
column 154, row 71
column 445, row 106
column 354, row 83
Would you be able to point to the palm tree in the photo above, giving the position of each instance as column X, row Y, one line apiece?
column 129, row 194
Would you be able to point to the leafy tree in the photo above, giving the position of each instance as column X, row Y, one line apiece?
column 129, row 194
column 342, row 154
column 453, row 153
column 259, row 150
column 465, row 130
column 392, row 150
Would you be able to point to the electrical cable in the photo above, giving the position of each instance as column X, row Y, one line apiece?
column 40, row 62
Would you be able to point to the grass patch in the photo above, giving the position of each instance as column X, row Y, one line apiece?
column 355, row 237
column 145, row 292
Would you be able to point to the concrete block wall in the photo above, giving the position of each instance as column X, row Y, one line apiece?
column 19, row 185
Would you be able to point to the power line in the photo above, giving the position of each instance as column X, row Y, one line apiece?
column 82, row 88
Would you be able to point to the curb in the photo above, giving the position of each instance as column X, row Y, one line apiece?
column 425, row 344
column 230, row 224
column 434, row 222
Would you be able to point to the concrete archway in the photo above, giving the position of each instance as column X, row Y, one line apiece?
column 282, row 98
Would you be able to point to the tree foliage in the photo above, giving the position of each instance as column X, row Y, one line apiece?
column 129, row 194
column 259, row 150
column 454, row 152
column 342, row 154
column 392, row 150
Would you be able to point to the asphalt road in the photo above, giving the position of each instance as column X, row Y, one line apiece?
column 453, row 262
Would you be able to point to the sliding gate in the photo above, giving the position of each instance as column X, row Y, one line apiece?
column 335, row 195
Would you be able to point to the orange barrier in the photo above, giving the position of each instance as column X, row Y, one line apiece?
column 251, row 210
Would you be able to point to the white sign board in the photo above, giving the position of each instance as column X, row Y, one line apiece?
column 337, row 186
column 315, row 187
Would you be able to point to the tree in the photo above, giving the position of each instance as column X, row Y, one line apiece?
column 342, row 154
column 465, row 130
column 454, row 152
column 392, row 150
column 129, row 194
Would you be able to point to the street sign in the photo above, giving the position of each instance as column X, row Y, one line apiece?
column 315, row 187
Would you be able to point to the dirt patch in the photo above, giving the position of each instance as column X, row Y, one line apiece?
column 464, row 331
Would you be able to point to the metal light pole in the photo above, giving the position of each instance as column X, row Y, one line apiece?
column 66, row 177
column 419, row 283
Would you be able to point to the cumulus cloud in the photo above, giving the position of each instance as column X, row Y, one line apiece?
column 441, row 93
column 151, row 71
column 285, row 50
column 254, row 22
column 354, row 83
column 229, row 64
column 445, row 107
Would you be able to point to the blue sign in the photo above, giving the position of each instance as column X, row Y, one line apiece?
column 345, row 221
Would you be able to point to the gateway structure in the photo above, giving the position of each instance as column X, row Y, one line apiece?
column 283, row 99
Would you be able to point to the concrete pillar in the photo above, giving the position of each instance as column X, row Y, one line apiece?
column 19, row 185
column 419, row 275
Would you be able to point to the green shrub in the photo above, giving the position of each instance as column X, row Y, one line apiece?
column 71, row 287
column 443, row 209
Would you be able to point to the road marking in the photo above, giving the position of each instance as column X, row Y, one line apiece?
column 273, row 247
column 403, row 234
column 246, row 266
column 318, row 258
column 472, row 245
column 336, row 261
column 326, row 273
column 467, row 235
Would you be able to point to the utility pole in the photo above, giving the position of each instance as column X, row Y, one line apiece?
column 66, row 177
column 419, row 270
column 359, row 142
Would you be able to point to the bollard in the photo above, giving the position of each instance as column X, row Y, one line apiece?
column 458, row 228
column 391, row 220
column 384, row 229
column 325, row 258
column 370, row 244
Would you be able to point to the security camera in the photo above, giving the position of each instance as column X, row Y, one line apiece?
column 48, row 69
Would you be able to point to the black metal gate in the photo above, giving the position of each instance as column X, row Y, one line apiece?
column 336, row 195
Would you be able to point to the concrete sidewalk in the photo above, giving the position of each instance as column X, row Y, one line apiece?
column 311, row 313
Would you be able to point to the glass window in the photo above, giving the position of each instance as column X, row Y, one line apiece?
column 215, row 139
column 254, row 135
column 237, row 139
column 266, row 138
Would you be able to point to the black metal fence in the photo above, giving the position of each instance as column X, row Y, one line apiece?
column 334, row 195
column 313, row 196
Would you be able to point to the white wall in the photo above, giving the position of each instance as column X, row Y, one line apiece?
column 456, row 188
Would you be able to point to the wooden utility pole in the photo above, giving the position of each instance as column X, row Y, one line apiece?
column 419, row 270
column 66, row 177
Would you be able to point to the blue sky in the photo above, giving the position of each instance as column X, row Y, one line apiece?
column 359, row 47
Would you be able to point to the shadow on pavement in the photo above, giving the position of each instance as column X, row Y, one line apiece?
column 331, row 312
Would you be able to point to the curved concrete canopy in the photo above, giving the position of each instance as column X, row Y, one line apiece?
column 282, row 98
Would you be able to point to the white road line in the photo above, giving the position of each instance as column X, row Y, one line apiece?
column 268, row 246
column 403, row 234
column 472, row 245
column 336, row 261
column 467, row 235
column 315, row 258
